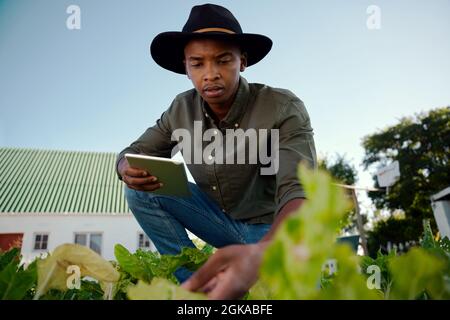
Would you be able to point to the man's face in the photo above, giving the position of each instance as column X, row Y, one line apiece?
column 214, row 67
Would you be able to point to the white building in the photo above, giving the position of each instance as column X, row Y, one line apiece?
column 52, row 197
column 440, row 202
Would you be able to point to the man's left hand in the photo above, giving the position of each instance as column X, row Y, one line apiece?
column 229, row 273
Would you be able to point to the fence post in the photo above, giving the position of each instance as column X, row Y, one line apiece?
column 359, row 224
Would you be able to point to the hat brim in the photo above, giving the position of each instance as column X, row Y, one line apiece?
column 167, row 48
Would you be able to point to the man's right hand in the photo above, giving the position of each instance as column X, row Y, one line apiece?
column 137, row 179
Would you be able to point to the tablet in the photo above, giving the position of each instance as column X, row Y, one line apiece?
column 170, row 172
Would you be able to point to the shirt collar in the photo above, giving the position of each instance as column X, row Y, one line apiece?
column 238, row 107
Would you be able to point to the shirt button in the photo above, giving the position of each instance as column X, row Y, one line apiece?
column 224, row 210
column 206, row 115
column 236, row 125
column 210, row 157
column 214, row 188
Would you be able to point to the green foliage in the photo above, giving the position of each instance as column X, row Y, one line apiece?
column 393, row 230
column 340, row 169
column 46, row 278
column 422, row 273
column 293, row 263
column 133, row 263
column 426, row 276
column 6, row 258
column 161, row 289
column 15, row 280
column 145, row 265
column 421, row 144
column 89, row 290
column 348, row 284
column 292, row 266
column 381, row 261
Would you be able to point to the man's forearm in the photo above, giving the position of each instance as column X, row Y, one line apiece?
column 288, row 209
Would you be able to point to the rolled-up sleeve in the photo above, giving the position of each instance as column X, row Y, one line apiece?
column 155, row 141
column 296, row 143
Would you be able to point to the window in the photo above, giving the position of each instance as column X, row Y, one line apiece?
column 91, row 239
column 144, row 242
column 40, row 241
column 95, row 243
column 81, row 238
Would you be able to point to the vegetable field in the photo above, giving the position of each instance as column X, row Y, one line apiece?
column 296, row 265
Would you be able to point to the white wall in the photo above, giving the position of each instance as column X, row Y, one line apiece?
column 441, row 210
column 122, row 229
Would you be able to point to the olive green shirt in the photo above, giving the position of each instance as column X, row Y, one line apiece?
column 240, row 189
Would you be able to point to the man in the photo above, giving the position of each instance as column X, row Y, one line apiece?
column 234, row 206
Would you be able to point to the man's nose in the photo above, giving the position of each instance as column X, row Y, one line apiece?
column 211, row 72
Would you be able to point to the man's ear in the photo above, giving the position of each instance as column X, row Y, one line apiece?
column 243, row 61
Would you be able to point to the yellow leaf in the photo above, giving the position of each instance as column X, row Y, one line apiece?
column 52, row 271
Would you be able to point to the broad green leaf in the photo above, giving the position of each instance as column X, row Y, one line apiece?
column 132, row 264
column 14, row 282
column 161, row 289
column 8, row 256
column 416, row 272
column 292, row 264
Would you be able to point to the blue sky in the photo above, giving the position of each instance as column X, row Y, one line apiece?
column 97, row 88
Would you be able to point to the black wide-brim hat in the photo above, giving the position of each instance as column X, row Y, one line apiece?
column 207, row 21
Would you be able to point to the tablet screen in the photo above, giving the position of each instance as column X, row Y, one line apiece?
column 170, row 172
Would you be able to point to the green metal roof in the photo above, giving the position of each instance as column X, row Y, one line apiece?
column 48, row 181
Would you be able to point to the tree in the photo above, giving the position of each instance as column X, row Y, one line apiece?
column 340, row 169
column 421, row 145
column 344, row 172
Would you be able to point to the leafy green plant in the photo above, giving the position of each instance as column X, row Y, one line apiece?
column 145, row 265
column 161, row 289
column 46, row 278
column 15, row 280
column 293, row 263
column 421, row 273
column 293, row 267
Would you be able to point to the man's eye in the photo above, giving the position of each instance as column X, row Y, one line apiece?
column 195, row 65
column 224, row 61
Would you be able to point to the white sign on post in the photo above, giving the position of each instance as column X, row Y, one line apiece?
column 389, row 175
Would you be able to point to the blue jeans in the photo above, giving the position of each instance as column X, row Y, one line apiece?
column 165, row 218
